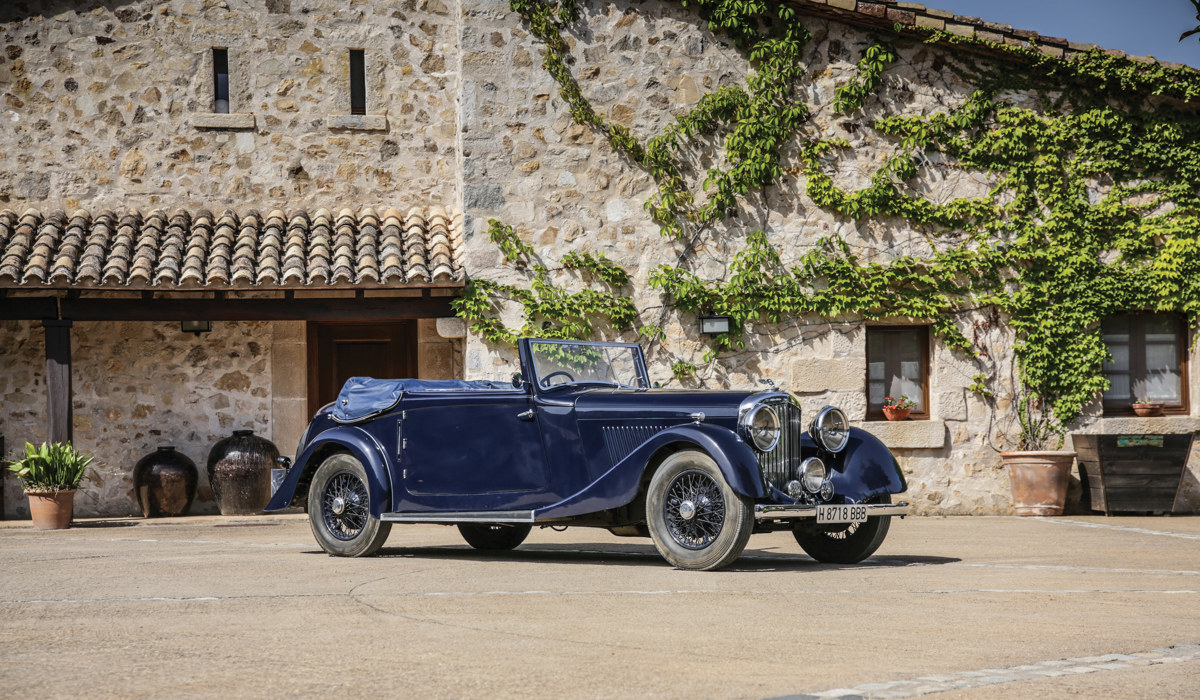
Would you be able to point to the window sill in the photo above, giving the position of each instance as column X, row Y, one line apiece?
column 907, row 434
column 213, row 120
column 359, row 122
column 1133, row 425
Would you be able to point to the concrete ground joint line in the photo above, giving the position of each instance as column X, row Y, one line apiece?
column 967, row 680
column 1120, row 528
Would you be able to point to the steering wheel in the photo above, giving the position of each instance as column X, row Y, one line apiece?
column 546, row 379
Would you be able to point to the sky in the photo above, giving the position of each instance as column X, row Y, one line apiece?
column 1138, row 27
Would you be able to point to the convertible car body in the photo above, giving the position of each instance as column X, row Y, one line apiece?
column 580, row 438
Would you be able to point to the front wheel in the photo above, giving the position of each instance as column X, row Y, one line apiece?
column 696, row 520
column 843, row 544
column 494, row 537
column 339, row 509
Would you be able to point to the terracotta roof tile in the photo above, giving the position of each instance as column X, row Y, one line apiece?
column 195, row 249
column 884, row 14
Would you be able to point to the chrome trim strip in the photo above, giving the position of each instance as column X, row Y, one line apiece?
column 476, row 516
column 781, row 512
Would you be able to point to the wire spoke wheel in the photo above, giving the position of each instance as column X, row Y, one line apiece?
column 344, row 506
column 339, row 509
column 694, row 510
column 696, row 519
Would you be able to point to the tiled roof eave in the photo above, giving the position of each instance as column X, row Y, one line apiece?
column 886, row 14
column 197, row 251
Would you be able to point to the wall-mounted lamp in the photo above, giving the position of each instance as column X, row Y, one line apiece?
column 715, row 325
column 196, row 327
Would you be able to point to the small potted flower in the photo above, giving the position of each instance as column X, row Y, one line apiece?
column 50, row 475
column 897, row 407
column 1146, row 408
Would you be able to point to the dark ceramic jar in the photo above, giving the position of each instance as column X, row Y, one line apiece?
column 165, row 483
column 239, row 471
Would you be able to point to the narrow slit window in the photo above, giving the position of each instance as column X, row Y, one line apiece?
column 358, row 83
column 221, row 81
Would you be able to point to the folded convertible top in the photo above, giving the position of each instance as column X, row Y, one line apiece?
column 363, row 397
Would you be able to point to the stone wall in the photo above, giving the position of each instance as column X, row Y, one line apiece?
column 141, row 385
column 565, row 189
column 137, row 386
column 109, row 104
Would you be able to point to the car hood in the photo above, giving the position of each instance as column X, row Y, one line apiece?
column 626, row 404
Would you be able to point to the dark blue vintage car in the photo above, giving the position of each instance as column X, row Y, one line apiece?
column 580, row 438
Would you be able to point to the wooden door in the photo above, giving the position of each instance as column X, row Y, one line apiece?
column 338, row 351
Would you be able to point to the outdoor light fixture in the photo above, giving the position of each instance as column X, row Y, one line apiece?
column 196, row 327
column 715, row 325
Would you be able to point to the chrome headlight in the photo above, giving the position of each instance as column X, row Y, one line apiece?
column 830, row 429
column 811, row 474
column 760, row 426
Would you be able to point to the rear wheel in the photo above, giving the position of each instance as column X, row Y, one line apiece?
column 339, row 509
column 696, row 520
column 494, row 536
column 843, row 544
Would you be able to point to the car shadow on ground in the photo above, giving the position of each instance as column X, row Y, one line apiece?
column 647, row 555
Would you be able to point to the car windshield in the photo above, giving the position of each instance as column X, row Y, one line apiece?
column 557, row 364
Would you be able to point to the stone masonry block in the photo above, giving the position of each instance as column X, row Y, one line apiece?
column 809, row 375
column 960, row 29
column 451, row 327
column 908, row 434
column 951, row 405
column 931, row 22
column 842, row 4
column 210, row 120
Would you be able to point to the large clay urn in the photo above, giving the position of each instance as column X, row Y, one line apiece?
column 239, row 471
column 165, row 483
column 1039, row 480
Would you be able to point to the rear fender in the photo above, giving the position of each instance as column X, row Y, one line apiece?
column 340, row 439
column 619, row 486
column 866, row 469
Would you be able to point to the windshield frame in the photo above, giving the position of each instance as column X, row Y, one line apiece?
column 534, row 376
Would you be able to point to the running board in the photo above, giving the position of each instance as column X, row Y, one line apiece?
column 473, row 516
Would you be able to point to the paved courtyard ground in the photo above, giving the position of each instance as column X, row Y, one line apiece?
column 949, row 607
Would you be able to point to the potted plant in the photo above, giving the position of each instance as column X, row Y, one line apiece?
column 898, row 407
column 1038, row 476
column 50, row 475
column 1145, row 408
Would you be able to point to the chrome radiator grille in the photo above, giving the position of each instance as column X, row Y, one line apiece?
column 779, row 465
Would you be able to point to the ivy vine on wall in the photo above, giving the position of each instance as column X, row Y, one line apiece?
column 1094, row 207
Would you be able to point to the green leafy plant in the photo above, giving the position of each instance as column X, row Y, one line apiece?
column 1094, row 206
column 50, row 467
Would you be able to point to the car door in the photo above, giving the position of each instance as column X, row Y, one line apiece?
column 474, row 452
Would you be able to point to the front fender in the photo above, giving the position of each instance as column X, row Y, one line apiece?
column 866, row 469
column 619, row 485
column 344, row 438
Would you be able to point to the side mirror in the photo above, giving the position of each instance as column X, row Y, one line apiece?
column 517, row 380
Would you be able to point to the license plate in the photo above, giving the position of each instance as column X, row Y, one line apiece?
column 841, row 514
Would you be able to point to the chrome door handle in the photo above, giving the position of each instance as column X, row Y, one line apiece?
column 526, row 415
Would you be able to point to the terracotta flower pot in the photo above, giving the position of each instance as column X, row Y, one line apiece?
column 896, row 413
column 51, row 510
column 1148, row 410
column 1039, row 480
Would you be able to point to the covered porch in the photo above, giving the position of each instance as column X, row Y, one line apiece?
column 124, row 333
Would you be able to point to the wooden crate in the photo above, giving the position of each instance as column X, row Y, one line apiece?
column 1132, row 473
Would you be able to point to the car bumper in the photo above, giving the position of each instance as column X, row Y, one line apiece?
column 782, row 512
